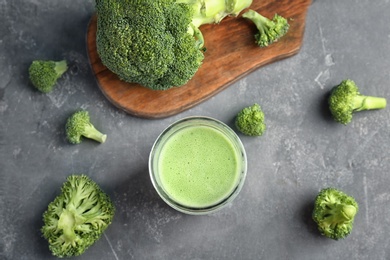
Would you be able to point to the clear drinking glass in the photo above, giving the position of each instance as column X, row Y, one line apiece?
column 198, row 165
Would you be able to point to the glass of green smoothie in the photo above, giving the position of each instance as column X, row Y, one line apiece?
column 198, row 165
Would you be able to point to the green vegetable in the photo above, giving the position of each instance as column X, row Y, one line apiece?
column 157, row 43
column 79, row 125
column 250, row 121
column 334, row 212
column 268, row 31
column 345, row 99
column 45, row 73
column 77, row 217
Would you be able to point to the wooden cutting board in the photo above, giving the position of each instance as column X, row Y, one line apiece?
column 231, row 54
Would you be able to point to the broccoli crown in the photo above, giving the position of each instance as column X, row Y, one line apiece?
column 250, row 121
column 45, row 73
column 268, row 31
column 77, row 217
column 79, row 125
column 156, row 43
column 146, row 42
column 334, row 212
column 345, row 99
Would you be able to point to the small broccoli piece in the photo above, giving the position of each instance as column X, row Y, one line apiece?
column 250, row 121
column 268, row 31
column 334, row 212
column 345, row 99
column 77, row 217
column 45, row 73
column 78, row 125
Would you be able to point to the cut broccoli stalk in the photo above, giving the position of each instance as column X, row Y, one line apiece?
column 334, row 212
column 268, row 31
column 92, row 133
column 338, row 214
column 79, row 125
column 345, row 99
column 44, row 74
column 361, row 102
column 211, row 11
column 61, row 67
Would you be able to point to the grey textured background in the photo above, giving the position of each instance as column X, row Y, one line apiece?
column 302, row 151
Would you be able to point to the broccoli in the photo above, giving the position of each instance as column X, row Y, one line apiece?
column 250, row 121
column 78, row 125
column 334, row 212
column 345, row 99
column 268, row 31
column 77, row 217
column 45, row 73
column 157, row 43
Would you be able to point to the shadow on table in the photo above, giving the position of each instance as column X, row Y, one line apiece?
column 306, row 212
column 136, row 197
column 324, row 108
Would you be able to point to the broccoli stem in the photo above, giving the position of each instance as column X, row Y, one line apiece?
column 340, row 214
column 212, row 11
column 348, row 212
column 66, row 223
column 91, row 132
column 206, row 11
column 259, row 20
column 198, row 36
column 362, row 102
column 60, row 67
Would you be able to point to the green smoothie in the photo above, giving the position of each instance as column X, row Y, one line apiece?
column 199, row 167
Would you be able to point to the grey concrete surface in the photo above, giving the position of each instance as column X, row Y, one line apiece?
column 303, row 150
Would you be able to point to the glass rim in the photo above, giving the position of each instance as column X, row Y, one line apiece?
column 229, row 133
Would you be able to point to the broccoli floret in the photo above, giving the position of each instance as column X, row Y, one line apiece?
column 157, row 43
column 250, row 121
column 77, row 217
column 345, row 99
column 334, row 212
column 79, row 125
column 268, row 31
column 45, row 73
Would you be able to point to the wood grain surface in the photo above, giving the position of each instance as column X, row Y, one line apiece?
column 231, row 54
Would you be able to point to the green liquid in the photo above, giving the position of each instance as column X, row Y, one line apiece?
column 199, row 167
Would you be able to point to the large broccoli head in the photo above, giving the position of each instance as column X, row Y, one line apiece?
column 77, row 217
column 334, row 212
column 345, row 99
column 157, row 43
column 146, row 42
